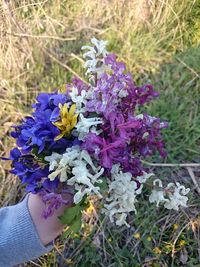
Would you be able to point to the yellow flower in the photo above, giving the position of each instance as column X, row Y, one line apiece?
column 137, row 235
column 62, row 89
column 175, row 226
column 90, row 209
column 75, row 235
column 69, row 261
column 182, row 243
column 68, row 120
column 149, row 238
column 168, row 248
column 157, row 250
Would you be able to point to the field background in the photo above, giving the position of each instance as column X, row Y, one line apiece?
column 40, row 49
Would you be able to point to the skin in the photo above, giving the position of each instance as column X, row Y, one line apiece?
column 50, row 228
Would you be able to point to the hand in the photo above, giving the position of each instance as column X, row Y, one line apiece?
column 48, row 229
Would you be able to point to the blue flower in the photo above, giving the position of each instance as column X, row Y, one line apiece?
column 38, row 130
column 31, row 173
column 14, row 154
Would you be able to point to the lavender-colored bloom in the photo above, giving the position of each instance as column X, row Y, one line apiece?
column 125, row 137
column 79, row 84
column 102, row 149
column 54, row 200
column 116, row 92
column 50, row 186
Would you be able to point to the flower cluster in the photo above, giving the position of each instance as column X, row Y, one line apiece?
column 82, row 134
column 75, row 167
column 123, row 191
column 173, row 196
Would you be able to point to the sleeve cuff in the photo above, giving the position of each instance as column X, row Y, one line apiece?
column 21, row 241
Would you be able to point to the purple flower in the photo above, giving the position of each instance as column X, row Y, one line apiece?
column 79, row 84
column 117, row 93
column 53, row 200
column 102, row 149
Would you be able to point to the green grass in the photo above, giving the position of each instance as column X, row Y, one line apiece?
column 178, row 82
column 159, row 42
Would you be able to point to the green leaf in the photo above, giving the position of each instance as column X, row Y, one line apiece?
column 40, row 156
column 76, row 226
column 35, row 150
column 66, row 234
column 103, row 186
column 73, row 228
column 70, row 214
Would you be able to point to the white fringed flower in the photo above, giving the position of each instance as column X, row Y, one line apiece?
column 60, row 164
column 84, row 124
column 157, row 196
column 178, row 198
column 54, row 160
column 84, row 181
column 77, row 163
column 142, row 179
column 79, row 100
column 95, row 55
column 122, row 196
column 173, row 196
column 123, row 93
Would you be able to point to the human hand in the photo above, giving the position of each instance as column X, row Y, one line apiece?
column 50, row 228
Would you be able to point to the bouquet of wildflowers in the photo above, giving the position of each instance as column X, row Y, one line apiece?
column 88, row 140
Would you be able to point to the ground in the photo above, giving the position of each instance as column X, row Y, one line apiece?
column 40, row 49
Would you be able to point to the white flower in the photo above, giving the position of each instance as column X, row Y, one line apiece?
column 84, row 124
column 79, row 100
column 172, row 196
column 142, row 179
column 95, row 57
column 94, row 130
column 123, row 93
column 140, row 116
column 78, row 164
column 60, row 163
column 79, row 195
column 121, row 219
column 100, row 48
column 157, row 197
column 54, row 164
column 84, row 181
column 54, row 160
column 178, row 198
column 87, row 158
column 115, row 169
column 122, row 196
column 69, row 156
